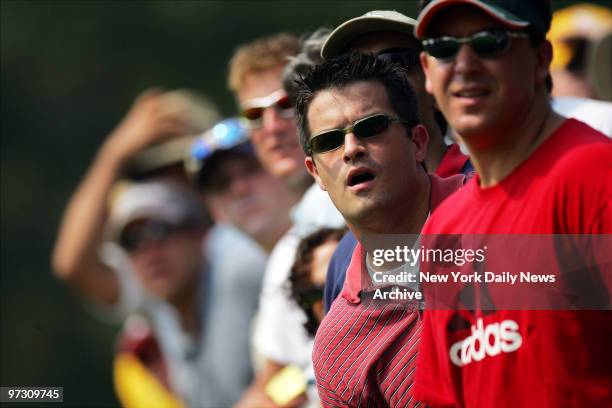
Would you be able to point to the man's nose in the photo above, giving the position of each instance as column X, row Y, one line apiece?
column 467, row 60
column 149, row 246
column 354, row 148
column 272, row 121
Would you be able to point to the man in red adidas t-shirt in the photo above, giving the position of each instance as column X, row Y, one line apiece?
column 359, row 129
column 537, row 173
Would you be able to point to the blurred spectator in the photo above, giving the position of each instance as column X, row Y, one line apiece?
column 160, row 226
column 153, row 119
column 306, row 284
column 308, row 273
column 203, row 366
column 255, row 78
column 235, row 186
column 164, row 157
column 581, row 35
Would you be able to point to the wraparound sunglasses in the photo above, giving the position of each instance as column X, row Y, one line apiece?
column 486, row 43
column 254, row 109
column 364, row 128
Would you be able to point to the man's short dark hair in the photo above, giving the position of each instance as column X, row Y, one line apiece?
column 346, row 70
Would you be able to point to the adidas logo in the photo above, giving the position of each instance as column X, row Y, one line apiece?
column 486, row 341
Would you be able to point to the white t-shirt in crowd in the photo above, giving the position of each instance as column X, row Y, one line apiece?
column 280, row 335
column 596, row 114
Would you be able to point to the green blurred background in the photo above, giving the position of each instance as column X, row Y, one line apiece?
column 69, row 71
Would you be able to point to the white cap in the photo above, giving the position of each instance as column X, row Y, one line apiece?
column 157, row 200
column 372, row 21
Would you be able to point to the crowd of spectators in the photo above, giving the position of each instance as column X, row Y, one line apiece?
column 236, row 253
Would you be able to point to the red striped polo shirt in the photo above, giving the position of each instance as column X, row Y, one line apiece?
column 365, row 353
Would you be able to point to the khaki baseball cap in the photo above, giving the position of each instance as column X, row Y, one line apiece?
column 198, row 110
column 376, row 20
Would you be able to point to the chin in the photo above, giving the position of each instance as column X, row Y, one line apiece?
column 257, row 228
column 282, row 168
column 358, row 215
column 470, row 126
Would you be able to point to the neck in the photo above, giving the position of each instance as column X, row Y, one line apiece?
column 297, row 185
column 187, row 308
column 408, row 220
column 269, row 238
column 498, row 152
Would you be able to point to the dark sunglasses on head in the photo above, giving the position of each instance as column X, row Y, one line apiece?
column 253, row 110
column 406, row 57
column 363, row 128
column 486, row 43
column 133, row 236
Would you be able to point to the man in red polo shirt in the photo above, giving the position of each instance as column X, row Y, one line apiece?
column 359, row 128
column 487, row 64
column 390, row 36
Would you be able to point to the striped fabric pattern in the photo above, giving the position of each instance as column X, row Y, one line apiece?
column 365, row 354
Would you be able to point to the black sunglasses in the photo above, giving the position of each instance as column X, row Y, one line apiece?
column 486, row 43
column 363, row 128
column 406, row 57
column 134, row 236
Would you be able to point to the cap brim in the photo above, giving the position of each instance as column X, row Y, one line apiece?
column 340, row 38
column 429, row 12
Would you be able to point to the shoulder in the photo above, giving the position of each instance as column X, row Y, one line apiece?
column 452, row 204
column 442, row 188
column 577, row 155
column 342, row 256
column 222, row 245
column 345, row 247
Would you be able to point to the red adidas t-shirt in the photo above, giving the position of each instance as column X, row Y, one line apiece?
column 546, row 358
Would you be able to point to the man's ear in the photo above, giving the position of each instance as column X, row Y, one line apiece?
column 425, row 66
column 311, row 167
column 420, row 137
column 544, row 54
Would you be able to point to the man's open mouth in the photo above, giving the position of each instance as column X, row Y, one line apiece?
column 359, row 177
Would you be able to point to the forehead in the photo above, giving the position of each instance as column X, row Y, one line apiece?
column 338, row 107
column 260, row 84
column 382, row 40
column 461, row 20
